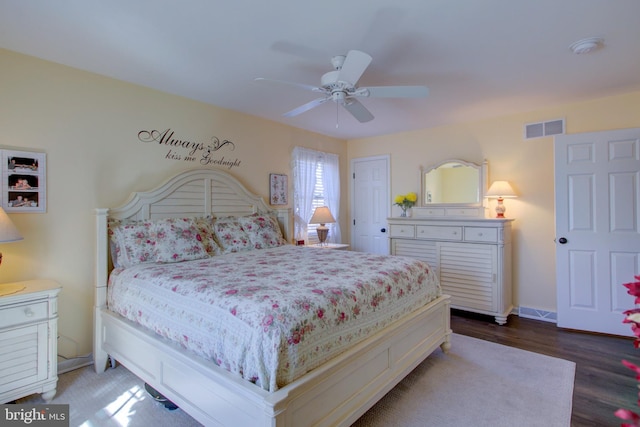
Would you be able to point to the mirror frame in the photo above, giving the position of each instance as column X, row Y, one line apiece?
column 483, row 175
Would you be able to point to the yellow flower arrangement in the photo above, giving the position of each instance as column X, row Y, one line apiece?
column 405, row 201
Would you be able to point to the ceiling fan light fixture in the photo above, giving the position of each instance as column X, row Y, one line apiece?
column 339, row 97
column 586, row 45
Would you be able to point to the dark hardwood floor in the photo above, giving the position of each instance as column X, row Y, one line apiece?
column 602, row 383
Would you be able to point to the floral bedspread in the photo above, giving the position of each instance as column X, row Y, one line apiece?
column 272, row 315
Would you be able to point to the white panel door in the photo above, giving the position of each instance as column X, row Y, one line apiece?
column 370, row 205
column 597, row 179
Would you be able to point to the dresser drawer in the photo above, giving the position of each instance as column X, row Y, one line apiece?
column 25, row 313
column 427, row 212
column 438, row 232
column 397, row 230
column 480, row 234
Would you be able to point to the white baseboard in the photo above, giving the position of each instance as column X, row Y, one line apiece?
column 66, row 365
column 534, row 313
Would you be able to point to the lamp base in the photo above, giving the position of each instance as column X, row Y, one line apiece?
column 323, row 232
column 500, row 208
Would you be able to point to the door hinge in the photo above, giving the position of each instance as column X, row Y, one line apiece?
column 354, row 175
column 354, row 222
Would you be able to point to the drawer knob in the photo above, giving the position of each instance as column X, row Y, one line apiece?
column 28, row 312
column 479, row 234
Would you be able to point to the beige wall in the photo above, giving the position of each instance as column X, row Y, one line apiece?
column 88, row 127
column 527, row 164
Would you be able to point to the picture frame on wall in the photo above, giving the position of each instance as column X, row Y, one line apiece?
column 278, row 189
column 23, row 181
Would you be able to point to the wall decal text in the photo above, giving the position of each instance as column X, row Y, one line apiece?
column 191, row 151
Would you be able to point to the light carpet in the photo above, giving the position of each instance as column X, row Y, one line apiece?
column 477, row 383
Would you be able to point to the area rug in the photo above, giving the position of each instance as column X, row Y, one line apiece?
column 477, row 383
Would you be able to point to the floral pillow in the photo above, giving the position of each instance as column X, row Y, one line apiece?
column 263, row 231
column 205, row 227
column 178, row 239
column 133, row 243
column 230, row 235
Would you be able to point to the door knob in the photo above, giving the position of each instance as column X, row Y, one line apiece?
column 383, row 230
column 562, row 240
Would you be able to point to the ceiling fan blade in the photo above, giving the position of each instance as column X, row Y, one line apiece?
column 393, row 92
column 306, row 107
column 354, row 65
column 358, row 110
column 282, row 82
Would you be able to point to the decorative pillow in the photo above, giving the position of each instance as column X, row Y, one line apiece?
column 263, row 231
column 178, row 239
column 134, row 243
column 230, row 235
column 205, row 227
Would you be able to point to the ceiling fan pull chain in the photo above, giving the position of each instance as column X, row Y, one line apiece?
column 337, row 112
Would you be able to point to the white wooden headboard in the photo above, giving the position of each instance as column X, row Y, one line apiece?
column 198, row 192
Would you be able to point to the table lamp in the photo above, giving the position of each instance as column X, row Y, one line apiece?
column 500, row 190
column 322, row 216
column 8, row 231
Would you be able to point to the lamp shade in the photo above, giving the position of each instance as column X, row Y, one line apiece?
column 500, row 189
column 8, row 231
column 322, row 215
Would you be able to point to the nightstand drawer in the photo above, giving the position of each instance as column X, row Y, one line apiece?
column 397, row 230
column 438, row 232
column 25, row 313
column 481, row 234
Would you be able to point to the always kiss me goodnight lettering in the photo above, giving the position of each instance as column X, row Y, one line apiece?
column 191, row 151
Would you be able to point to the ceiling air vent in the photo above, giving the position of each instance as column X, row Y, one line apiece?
column 538, row 130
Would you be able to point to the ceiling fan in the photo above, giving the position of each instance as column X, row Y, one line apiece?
column 340, row 86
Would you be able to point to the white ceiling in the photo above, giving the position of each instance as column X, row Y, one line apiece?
column 479, row 58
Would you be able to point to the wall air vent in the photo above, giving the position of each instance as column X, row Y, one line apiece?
column 538, row 130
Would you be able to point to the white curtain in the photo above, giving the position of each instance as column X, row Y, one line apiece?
column 304, row 166
column 331, row 181
column 304, row 181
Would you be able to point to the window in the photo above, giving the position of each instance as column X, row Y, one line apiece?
column 316, row 182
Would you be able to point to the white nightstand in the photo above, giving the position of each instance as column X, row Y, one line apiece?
column 338, row 246
column 28, row 339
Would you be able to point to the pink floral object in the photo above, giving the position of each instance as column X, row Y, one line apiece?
column 633, row 317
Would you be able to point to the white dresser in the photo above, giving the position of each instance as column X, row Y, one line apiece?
column 472, row 257
column 28, row 339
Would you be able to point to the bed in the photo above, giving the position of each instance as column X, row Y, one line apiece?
column 315, row 387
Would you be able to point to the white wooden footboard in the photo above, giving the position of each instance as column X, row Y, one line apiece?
column 337, row 393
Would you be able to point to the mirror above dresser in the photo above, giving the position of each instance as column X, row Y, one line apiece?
column 452, row 188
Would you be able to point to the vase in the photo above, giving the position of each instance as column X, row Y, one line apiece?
column 403, row 214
